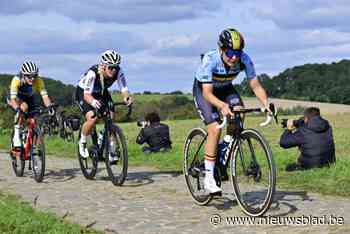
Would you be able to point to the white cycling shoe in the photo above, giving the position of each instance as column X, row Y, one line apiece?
column 83, row 151
column 210, row 185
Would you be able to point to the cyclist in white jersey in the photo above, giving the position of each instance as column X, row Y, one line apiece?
column 92, row 92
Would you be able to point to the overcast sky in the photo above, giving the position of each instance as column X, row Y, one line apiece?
column 160, row 40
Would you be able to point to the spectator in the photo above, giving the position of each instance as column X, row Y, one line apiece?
column 313, row 135
column 154, row 133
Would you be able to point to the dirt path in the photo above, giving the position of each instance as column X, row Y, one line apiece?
column 156, row 202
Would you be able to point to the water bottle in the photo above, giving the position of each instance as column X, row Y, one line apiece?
column 100, row 138
column 222, row 147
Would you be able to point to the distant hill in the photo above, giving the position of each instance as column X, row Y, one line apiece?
column 310, row 82
column 60, row 93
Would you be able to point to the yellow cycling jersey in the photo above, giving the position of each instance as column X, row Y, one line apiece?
column 19, row 88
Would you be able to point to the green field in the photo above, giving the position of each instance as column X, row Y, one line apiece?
column 335, row 180
column 19, row 217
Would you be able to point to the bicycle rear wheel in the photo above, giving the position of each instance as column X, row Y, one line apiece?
column 17, row 159
column 193, row 166
column 253, row 173
column 88, row 165
column 116, row 156
column 37, row 155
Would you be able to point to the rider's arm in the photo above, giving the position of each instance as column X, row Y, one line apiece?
column 47, row 101
column 123, row 86
column 259, row 91
column 40, row 87
column 15, row 83
column 210, row 97
column 87, row 84
column 254, row 83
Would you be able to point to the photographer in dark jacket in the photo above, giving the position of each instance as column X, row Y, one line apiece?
column 154, row 133
column 313, row 136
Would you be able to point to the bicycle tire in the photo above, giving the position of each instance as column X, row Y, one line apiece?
column 89, row 165
column 35, row 156
column 253, row 175
column 195, row 169
column 121, row 154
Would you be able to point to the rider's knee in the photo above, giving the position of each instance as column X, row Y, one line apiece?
column 213, row 130
column 24, row 107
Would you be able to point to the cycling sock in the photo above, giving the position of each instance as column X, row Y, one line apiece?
column 82, row 138
column 16, row 130
column 209, row 167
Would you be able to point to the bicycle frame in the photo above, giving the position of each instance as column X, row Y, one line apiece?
column 29, row 138
column 108, row 122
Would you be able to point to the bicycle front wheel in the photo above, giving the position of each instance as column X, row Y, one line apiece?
column 253, row 173
column 37, row 155
column 193, row 166
column 89, row 165
column 116, row 156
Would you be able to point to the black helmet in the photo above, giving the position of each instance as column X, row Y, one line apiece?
column 231, row 38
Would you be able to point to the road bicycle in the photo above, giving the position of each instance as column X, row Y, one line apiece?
column 32, row 147
column 106, row 145
column 249, row 157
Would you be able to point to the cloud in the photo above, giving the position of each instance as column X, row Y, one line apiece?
column 116, row 11
column 304, row 14
column 81, row 39
column 182, row 46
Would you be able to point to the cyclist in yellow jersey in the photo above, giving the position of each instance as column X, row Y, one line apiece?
column 21, row 94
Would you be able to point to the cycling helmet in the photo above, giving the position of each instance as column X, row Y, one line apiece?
column 110, row 57
column 29, row 68
column 232, row 39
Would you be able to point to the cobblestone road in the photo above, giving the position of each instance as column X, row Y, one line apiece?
column 156, row 202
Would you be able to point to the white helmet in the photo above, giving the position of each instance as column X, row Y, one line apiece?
column 29, row 68
column 110, row 57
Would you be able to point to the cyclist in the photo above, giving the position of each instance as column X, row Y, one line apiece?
column 21, row 95
column 92, row 93
column 214, row 93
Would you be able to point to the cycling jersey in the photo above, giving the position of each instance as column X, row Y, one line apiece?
column 213, row 70
column 92, row 83
column 21, row 89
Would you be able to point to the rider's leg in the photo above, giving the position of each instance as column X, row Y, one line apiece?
column 210, row 157
column 86, row 130
column 16, row 136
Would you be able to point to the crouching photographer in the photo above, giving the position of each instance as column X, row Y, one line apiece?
column 313, row 135
column 154, row 133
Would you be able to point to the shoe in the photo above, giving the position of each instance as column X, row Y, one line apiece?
column 113, row 158
column 210, row 185
column 16, row 141
column 83, row 151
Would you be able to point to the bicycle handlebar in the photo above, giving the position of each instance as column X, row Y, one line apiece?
column 100, row 113
column 268, row 120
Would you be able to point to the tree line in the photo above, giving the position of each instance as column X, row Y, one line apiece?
column 309, row 82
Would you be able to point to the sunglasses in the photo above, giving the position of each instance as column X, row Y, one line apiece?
column 112, row 67
column 30, row 77
column 230, row 53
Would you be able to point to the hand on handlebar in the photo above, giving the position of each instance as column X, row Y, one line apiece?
column 96, row 104
column 225, row 110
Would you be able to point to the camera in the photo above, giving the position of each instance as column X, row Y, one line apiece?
column 296, row 123
column 142, row 123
